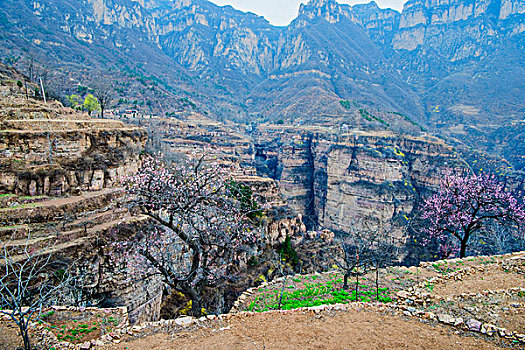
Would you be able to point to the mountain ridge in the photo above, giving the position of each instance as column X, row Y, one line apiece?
column 432, row 62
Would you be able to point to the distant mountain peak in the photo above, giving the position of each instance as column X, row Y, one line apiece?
column 371, row 4
column 330, row 10
column 320, row 3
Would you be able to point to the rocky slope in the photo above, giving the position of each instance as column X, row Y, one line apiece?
column 436, row 61
column 59, row 191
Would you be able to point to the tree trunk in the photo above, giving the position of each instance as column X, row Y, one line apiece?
column 345, row 283
column 357, row 287
column 101, row 111
column 196, row 299
column 25, row 335
column 196, row 306
column 282, row 292
column 377, row 280
column 463, row 249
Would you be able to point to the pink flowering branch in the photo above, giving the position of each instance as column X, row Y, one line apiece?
column 203, row 226
column 464, row 205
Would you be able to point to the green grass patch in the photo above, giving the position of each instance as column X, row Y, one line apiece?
column 346, row 104
column 315, row 294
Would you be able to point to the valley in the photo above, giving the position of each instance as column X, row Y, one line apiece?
column 175, row 173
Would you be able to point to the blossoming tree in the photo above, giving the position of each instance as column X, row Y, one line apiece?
column 202, row 226
column 464, row 205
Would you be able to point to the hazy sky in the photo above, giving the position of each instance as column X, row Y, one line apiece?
column 281, row 12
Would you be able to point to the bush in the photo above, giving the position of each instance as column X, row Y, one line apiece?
column 287, row 252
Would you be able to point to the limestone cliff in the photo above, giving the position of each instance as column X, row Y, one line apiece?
column 436, row 62
column 331, row 179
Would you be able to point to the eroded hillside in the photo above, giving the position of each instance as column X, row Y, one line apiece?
column 60, row 174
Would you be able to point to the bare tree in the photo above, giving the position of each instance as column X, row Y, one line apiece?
column 496, row 239
column 364, row 249
column 103, row 92
column 29, row 281
column 384, row 251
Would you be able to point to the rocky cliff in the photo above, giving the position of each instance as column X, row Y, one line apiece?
column 333, row 179
column 444, row 64
column 60, row 174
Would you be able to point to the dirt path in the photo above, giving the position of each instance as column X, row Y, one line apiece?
column 298, row 330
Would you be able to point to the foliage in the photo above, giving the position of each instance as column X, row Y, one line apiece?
column 463, row 206
column 78, row 326
column 91, row 104
column 75, row 101
column 203, row 227
column 287, row 252
column 244, row 194
column 346, row 104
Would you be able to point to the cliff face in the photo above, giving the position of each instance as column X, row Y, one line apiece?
column 481, row 25
column 334, row 179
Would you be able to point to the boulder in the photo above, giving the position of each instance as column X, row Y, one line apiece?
column 474, row 325
column 184, row 321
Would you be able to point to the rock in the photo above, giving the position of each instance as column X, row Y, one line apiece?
column 447, row 319
column 98, row 343
column 403, row 294
column 474, row 325
column 211, row 317
column 184, row 321
column 407, row 313
column 114, row 335
column 85, row 346
column 429, row 315
column 502, row 332
column 411, row 309
column 458, row 321
column 317, row 309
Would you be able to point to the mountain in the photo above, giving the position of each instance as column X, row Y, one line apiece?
column 468, row 56
column 438, row 64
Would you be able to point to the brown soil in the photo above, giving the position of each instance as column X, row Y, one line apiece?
column 9, row 336
column 502, row 309
column 492, row 278
column 364, row 329
column 73, row 326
